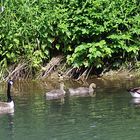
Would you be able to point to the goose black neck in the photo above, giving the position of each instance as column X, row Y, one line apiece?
column 9, row 98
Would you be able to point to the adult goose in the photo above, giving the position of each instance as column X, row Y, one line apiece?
column 135, row 92
column 56, row 93
column 7, row 107
column 83, row 91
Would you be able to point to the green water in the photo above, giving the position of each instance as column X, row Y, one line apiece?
column 110, row 115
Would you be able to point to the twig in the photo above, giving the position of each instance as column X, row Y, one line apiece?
column 89, row 72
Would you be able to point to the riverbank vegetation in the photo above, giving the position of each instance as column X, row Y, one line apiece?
column 92, row 36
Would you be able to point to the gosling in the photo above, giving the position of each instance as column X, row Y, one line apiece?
column 56, row 93
column 83, row 91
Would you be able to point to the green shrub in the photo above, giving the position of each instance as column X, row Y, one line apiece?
column 88, row 33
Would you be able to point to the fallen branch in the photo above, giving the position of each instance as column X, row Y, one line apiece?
column 51, row 66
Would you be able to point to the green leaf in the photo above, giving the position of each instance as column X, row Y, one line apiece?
column 57, row 46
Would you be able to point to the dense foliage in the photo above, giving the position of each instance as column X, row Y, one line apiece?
column 88, row 32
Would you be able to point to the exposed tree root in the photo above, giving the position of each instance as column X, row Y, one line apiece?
column 79, row 73
column 54, row 68
column 19, row 71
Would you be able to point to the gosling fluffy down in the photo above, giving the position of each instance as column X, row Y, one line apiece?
column 82, row 91
column 56, row 93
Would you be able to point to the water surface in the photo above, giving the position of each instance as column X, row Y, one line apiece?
column 110, row 115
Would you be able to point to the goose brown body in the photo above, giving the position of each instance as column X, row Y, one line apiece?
column 8, row 107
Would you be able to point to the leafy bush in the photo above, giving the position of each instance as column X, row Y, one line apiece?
column 106, row 30
column 88, row 33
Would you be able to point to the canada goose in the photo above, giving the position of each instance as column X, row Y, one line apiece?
column 7, row 107
column 82, row 91
column 56, row 93
column 135, row 92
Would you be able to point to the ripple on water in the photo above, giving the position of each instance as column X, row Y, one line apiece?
column 108, row 116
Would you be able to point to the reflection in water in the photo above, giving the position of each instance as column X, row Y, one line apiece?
column 11, row 125
column 7, row 126
column 104, row 117
column 136, row 102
